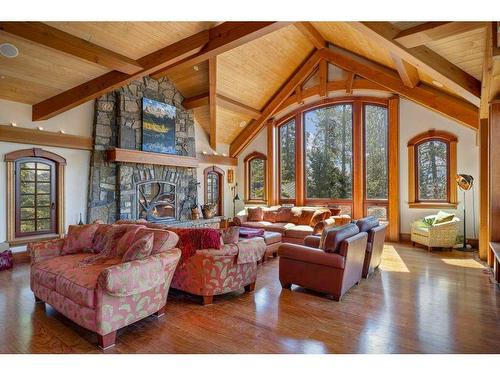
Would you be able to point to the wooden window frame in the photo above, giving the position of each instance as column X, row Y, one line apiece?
column 252, row 156
column 12, row 205
column 357, row 203
column 280, row 199
column 451, row 142
column 221, row 174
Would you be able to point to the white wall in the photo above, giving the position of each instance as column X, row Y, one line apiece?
column 77, row 121
column 415, row 119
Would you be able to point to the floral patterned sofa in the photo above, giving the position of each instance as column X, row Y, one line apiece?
column 93, row 285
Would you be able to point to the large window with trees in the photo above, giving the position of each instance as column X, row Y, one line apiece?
column 287, row 160
column 375, row 123
column 255, row 170
column 35, row 195
column 328, row 152
column 431, row 167
column 214, row 188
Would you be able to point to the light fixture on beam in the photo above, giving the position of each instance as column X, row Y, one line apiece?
column 40, row 128
column 216, row 153
column 243, row 124
column 13, row 124
column 62, row 131
column 196, row 68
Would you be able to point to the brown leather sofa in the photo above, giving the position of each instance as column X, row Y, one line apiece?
column 294, row 223
column 331, row 264
column 375, row 245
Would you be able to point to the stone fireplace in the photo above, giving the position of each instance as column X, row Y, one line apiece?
column 135, row 191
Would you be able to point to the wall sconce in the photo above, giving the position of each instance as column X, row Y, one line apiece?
column 230, row 176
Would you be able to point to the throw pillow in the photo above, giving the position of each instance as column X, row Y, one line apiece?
column 230, row 235
column 255, row 214
column 284, row 215
column 124, row 243
column 270, row 215
column 140, row 249
column 443, row 217
column 306, row 216
column 318, row 216
column 429, row 220
column 100, row 238
column 79, row 238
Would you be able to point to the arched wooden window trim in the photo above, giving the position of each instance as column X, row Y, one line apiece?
column 60, row 164
column 451, row 142
column 247, row 160
column 358, row 202
column 221, row 174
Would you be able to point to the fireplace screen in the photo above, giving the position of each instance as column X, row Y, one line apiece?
column 156, row 201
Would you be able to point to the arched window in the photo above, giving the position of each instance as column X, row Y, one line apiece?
column 35, row 195
column 214, row 188
column 432, row 166
column 255, row 177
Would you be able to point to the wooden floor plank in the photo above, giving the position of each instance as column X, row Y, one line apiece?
column 418, row 302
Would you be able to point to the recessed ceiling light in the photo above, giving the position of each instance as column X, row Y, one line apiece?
column 40, row 128
column 13, row 124
column 216, row 153
column 242, row 124
column 8, row 50
column 196, row 67
column 436, row 83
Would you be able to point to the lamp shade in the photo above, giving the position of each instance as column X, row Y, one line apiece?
column 236, row 197
column 464, row 181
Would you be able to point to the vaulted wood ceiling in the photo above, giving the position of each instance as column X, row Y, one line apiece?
column 253, row 67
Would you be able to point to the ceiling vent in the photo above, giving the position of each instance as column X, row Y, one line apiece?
column 8, row 50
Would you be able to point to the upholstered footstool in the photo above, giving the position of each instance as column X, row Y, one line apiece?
column 273, row 240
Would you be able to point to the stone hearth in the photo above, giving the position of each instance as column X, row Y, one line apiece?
column 118, row 123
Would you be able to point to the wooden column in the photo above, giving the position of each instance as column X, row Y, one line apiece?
column 299, row 161
column 358, row 176
column 271, row 165
column 393, row 144
column 494, row 177
column 484, row 184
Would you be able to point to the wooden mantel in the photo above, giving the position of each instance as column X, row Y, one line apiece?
column 143, row 157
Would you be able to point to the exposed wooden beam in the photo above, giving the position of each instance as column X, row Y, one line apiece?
column 298, row 95
column 424, row 59
column 408, row 73
column 439, row 101
column 310, row 32
column 212, row 100
column 433, row 31
column 223, row 38
column 323, row 77
column 296, row 79
column 349, row 83
column 490, row 83
column 217, row 159
column 357, row 84
column 222, row 101
column 114, row 79
column 51, row 37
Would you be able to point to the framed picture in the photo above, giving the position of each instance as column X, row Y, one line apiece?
column 230, row 176
column 158, row 126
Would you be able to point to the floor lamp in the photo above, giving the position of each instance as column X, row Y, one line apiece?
column 465, row 183
column 236, row 197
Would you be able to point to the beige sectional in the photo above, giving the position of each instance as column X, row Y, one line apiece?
column 294, row 223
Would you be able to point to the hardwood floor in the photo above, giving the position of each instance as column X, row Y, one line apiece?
column 418, row 302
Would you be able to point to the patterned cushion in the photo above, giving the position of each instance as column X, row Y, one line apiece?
column 230, row 235
column 299, row 231
column 319, row 215
column 163, row 239
column 100, row 238
column 306, row 216
column 46, row 271
column 128, row 238
column 284, row 215
column 79, row 283
column 255, row 214
column 79, row 238
column 270, row 215
column 140, row 249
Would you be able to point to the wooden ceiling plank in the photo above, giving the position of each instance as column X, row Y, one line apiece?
column 223, row 38
column 323, row 78
column 433, row 31
column 424, row 59
column 294, row 81
column 222, row 101
column 455, row 108
column 408, row 73
column 114, row 79
column 56, row 39
column 311, row 33
column 196, row 101
column 212, row 100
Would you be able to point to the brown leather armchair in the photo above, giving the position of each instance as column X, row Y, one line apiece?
column 329, row 264
column 375, row 245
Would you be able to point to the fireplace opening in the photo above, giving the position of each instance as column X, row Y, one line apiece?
column 156, row 201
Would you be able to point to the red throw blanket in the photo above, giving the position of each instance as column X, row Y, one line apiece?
column 193, row 239
column 251, row 232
